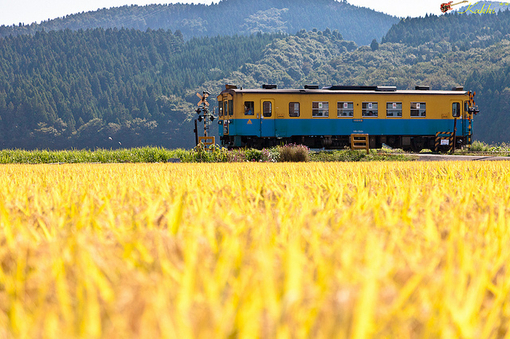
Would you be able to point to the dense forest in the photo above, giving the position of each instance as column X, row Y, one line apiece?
column 117, row 88
column 57, row 89
column 461, row 30
column 229, row 17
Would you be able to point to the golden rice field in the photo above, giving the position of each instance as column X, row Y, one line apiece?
column 255, row 250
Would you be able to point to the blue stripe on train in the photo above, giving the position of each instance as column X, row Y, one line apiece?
column 288, row 127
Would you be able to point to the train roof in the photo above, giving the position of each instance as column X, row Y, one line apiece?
column 347, row 90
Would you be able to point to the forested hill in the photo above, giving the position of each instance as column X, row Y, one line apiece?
column 65, row 89
column 461, row 30
column 229, row 17
column 126, row 87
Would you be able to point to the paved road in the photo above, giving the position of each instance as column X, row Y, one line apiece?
column 445, row 157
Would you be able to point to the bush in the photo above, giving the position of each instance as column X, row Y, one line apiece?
column 270, row 155
column 253, row 154
column 293, row 153
column 479, row 146
column 212, row 153
column 236, row 155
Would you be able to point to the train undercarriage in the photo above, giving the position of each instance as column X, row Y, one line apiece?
column 407, row 143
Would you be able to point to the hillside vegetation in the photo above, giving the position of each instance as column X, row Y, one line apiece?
column 462, row 31
column 229, row 17
column 472, row 50
column 66, row 89
column 116, row 88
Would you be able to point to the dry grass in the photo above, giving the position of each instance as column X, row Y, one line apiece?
column 397, row 250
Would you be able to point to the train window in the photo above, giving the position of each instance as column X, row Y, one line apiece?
column 345, row 109
column 225, row 108
column 369, row 109
column 231, row 107
column 394, row 109
column 267, row 108
column 293, row 109
column 248, row 108
column 456, row 110
column 418, row 109
column 320, row 109
column 220, row 108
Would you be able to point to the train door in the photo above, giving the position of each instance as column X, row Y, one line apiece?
column 228, row 114
column 280, row 123
column 465, row 116
column 458, row 116
column 267, row 117
column 223, row 120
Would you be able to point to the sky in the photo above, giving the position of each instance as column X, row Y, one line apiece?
column 28, row 11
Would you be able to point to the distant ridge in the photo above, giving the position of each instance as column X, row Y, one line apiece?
column 229, row 17
column 462, row 30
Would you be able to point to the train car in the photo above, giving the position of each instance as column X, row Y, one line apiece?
column 327, row 117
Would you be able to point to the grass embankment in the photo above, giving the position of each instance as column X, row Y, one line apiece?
column 482, row 148
column 288, row 153
column 145, row 154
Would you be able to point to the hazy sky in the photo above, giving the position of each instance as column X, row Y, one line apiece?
column 28, row 11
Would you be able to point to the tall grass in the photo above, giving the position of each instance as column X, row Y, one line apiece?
column 294, row 153
column 264, row 250
column 480, row 146
column 145, row 154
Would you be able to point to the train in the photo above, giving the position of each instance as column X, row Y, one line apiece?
column 327, row 117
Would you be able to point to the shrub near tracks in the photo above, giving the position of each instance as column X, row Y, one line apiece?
column 255, row 250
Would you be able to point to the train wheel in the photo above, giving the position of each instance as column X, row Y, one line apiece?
column 417, row 144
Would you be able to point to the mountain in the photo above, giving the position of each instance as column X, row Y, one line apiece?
column 469, row 49
column 125, row 87
column 64, row 89
column 463, row 31
column 229, row 17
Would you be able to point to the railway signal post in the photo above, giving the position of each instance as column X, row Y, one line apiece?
column 205, row 116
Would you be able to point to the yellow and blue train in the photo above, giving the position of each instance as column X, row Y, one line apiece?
column 327, row 117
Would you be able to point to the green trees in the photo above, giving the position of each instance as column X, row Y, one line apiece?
column 374, row 45
column 228, row 17
column 126, row 88
column 87, row 80
column 461, row 30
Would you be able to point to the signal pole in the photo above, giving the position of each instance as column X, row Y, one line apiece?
column 203, row 114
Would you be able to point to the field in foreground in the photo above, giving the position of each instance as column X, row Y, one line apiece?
column 255, row 250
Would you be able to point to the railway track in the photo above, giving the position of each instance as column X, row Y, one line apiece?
column 447, row 157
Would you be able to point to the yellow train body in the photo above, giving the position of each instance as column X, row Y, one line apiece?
column 327, row 117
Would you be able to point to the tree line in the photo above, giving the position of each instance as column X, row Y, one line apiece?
column 228, row 17
column 463, row 31
column 125, row 87
column 55, row 87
